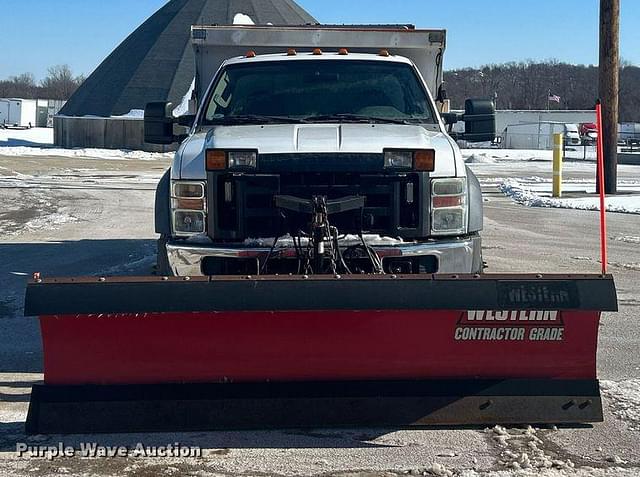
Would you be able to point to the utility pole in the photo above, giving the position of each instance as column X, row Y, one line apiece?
column 609, row 87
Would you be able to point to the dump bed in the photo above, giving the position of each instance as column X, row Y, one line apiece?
column 214, row 44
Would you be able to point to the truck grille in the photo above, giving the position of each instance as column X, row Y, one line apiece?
column 244, row 204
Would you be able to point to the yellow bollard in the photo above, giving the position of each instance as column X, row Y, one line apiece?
column 558, row 140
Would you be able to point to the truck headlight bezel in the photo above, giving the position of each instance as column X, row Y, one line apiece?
column 420, row 160
column 235, row 160
column 449, row 208
column 188, row 207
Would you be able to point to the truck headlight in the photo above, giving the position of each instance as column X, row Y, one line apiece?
column 398, row 159
column 190, row 190
column 238, row 160
column 188, row 208
column 242, row 159
column 188, row 222
column 448, row 206
column 422, row 160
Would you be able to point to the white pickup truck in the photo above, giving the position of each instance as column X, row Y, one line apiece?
column 318, row 150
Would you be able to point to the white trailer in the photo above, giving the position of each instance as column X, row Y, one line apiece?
column 18, row 113
column 538, row 135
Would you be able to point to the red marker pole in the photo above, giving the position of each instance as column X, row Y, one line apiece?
column 603, row 211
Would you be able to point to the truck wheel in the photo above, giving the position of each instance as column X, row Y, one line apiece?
column 162, row 262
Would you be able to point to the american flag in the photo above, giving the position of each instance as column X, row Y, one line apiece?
column 554, row 97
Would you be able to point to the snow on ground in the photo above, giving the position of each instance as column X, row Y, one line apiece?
column 625, row 400
column 629, row 204
column 492, row 156
column 26, row 137
column 39, row 142
column 88, row 153
column 80, row 179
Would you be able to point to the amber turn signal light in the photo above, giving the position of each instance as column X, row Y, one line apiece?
column 216, row 160
column 424, row 160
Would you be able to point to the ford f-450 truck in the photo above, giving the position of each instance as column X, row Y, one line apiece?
column 318, row 149
column 320, row 219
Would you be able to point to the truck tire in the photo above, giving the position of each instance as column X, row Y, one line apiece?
column 162, row 262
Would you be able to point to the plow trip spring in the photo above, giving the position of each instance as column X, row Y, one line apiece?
column 166, row 354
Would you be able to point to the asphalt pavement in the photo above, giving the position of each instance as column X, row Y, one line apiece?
column 74, row 216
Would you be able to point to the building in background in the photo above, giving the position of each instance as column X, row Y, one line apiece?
column 28, row 113
column 155, row 63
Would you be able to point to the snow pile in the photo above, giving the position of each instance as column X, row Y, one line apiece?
column 133, row 114
column 242, row 19
column 523, row 450
column 480, row 158
column 513, row 189
column 39, row 142
column 183, row 107
column 85, row 153
column 627, row 239
column 624, row 399
column 529, row 155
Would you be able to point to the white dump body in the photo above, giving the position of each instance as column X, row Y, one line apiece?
column 215, row 44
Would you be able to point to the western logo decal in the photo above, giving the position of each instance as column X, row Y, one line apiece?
column 489, row 325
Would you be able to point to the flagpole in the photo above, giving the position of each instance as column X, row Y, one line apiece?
column 549, row 101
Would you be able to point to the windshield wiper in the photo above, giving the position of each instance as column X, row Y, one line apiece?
column 254, row 119
column 353, row 118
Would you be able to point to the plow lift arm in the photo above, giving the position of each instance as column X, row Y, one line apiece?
column 322, row 238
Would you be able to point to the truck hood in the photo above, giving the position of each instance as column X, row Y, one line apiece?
column 318, row 138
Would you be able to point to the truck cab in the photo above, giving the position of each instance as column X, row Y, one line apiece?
column 328, row 156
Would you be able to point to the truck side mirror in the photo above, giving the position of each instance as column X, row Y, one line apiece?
column 158, row 123
column 186, row 120
column 451, row 118
column 479, row 120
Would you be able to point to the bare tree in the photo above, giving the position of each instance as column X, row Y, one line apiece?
column 60, row 82
column 525, row 85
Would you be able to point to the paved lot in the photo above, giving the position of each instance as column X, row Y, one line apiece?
column 89, row 216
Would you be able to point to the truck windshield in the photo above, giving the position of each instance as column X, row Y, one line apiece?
column 319, row 91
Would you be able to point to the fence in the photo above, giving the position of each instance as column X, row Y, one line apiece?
column 107, row 133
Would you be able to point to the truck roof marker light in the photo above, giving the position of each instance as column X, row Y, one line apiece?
column 343, row 51
column 250, row 54
column 216, row 160
column 384, row 53
column 292, row 52
column 317, row 51
column 424, row 160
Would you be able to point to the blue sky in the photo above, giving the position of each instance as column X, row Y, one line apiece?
column 38, row 33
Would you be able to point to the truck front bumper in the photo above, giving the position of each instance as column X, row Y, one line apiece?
column 457, row 255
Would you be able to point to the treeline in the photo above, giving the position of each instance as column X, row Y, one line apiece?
column 526, row 85
column 60, row 83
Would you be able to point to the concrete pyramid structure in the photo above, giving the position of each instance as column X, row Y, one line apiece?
column 156, row 63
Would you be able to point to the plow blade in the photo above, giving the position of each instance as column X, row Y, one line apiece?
column 158, row 354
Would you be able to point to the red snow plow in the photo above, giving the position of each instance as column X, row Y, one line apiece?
column 159, row 354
